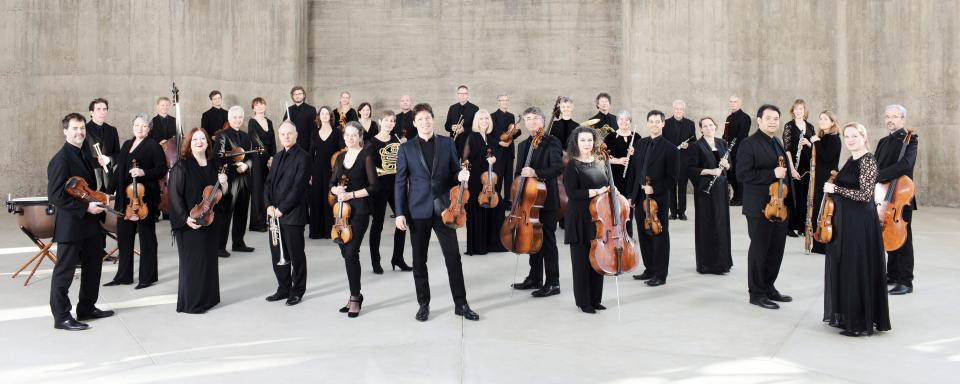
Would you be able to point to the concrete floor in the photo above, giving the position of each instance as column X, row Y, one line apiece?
column 695, row 329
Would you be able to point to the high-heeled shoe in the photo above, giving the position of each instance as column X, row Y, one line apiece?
column 359, row 301
column 400, row 263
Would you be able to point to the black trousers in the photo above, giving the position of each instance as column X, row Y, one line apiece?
column 89, row 254
column 126, row 231
column 238, row 206
column 379, row 211
column 258, row 207
column 678, row 193
column 900, row 262
column 767, row 239
column 654, row 250
column 732, row 177
column 546, row 262
column 587, row 283
column 420, row 230
column 291, row 278
column 351, row 251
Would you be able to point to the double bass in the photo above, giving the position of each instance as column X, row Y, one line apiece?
column 171, row 152
column 613, row 251
column 824, row 233
column 341, row 232
column 488, row 197
column 136, row 209
column 522, row 231
column 776, row 209
column 454, row 216
column 891, row 197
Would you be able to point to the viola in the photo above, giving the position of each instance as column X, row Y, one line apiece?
column 776, row 209
column 522, row 231
column 824, row 233
column 136, row 208
column 77, row 188
column 342, row 233
column 202, row 212
column 238, row 153
column 891, row 198
column 488, row 197
column 651, row 222
column 455, row 216
column 511, row 134
column 613, row 251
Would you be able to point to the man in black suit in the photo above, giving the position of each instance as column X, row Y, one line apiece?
column 546, row 164
column 404, row 129
column 163, row 126
column 890, row 167
column 103, row 136
column 757, row 168
column 303, row 116
column 285, row 194
column 461, row 112
column 214, row 118
column 237, row 198
column 656, row 159
column 501, row 119
column 737, row 127
column 603, row 113
column 77, row 231
column 680, row 131
column 421, row 193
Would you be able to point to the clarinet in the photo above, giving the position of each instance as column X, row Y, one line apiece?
column 726, row 156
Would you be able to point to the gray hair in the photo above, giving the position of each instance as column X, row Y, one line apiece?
column 533, row 111
column 358, row 127
column 625, row 115
column 236, row 109
column 502, row 95
column 142, row 116
column 679, row 102
column 898, row 108
column 287, row 123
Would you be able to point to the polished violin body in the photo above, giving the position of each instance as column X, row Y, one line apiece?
column 776, row 209
column 342, row 232
column 238, row 154
column 136, row 209
column 511, row 134
column 488, row 197
column 77, row 188
column 522, row 231
column 454, row 216
column 891, row 198
column 824, row 233
column 651, row 222
column 612, row 251
column 202, row 212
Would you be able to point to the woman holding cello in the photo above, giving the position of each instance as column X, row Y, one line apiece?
column 358, row 166
column 140, row 159
column 584, row 178
column 855, row 294
column 193, row 180
column 486, row 174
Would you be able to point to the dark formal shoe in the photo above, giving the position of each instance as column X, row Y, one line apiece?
column 792, row 233
column 294, row 300
column 655, row 282
column 242, row 248
column 377, row 269
column 400, row 264
column 96, row 314
column 223, row 253
column 901, row 289
column 588, row 309
column 70, row 325
column 112, row 283
column 682, row 216
column 466, row 312
column 142, row 285
column 646, row 275
column 423, row 313
column 599, row 307
column 359, row 301
column 850, row 333
column 526, row 284
column 764, row 302
column 735, row 203
column 673, row 216
column 277, row 297
column 776, row 296
column 258, row 229
column 546, row 290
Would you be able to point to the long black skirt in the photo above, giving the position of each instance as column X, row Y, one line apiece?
column 483, row 228
column 199, row 286
column 712, row 229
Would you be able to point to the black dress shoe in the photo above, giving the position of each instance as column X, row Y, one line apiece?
column 112, row 283
column 792, row 233
column 599, row 307
column 682, row 216
column 70, row 325
column 735, row 203
column 776, row 296
column 526, row 284
column 423, row 313
column 223, row 253
column 673, row 216
column 96, row 314
column 242, row 248
column 764, row 302
column 547, row 290
column 277, row 297
column 466, row 312
column 588, row 309
column 258, row 229
column 142, row 285
column 646, row 275
column 850, row 333
column 655, row 282
column 891, row 281
column 901, row 289
column 294, row 300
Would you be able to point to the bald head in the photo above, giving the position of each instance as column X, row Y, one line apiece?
column 288, row 134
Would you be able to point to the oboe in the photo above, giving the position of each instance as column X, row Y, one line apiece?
column 726, row 156
column 276, row 238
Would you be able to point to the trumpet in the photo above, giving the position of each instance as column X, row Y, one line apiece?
column 460, row 124
column 276, row 238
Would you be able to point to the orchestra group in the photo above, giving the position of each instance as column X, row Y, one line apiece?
column 613, row 189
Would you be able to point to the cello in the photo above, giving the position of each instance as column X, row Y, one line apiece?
column 522, row 231
column 613, row 252
column 136, row 208
column 824, row 233
column 776, row 209
column 341, row 232
column 891, row 197
column 454, row 216
column 488, row 197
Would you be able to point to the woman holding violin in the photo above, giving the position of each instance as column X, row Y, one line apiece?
column 356, row 165
column 709, row 161
column 827, row 145
column 194, row 188
column 584, row 178
column 855, row 294
column 260, row 129
column 140, row 166
column 324, row 142
column 489, row 165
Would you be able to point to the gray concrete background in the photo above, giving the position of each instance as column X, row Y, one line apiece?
column 854, row 57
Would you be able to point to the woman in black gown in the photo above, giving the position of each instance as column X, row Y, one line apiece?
column 483, row 224
column 370, row 127
column 564, row 125
column 796, row 139
column 260, row 129
column 151, row 167
column 621, row 144
column 199, row 286
column 324, row 142
column 584, row 178
column 384, row 147
column 344, row 113
column 827, row 145
column 712, row 208
column 357, row 164
column 855, row 292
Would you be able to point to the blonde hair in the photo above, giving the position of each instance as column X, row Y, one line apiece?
column 834, row 128
column 806, row 111
column 476, row 121
column 860, row 130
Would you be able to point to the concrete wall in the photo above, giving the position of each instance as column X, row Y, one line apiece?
column 853, row 56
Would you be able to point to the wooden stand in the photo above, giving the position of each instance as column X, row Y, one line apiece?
column 37, row 258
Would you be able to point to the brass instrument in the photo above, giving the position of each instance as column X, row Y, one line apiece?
column 99, row 153
column 460, row 124
column 604, row 130
column 388, row 159
column 276, row 238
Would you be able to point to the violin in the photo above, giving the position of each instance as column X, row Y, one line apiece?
column 342, row 233
column 488, row 195
column 613, row 251
column 776, row 210
column 202, row 212
column 331, row 198
column 522, row 231
column 511, row 133
column 238, row 153
column 891, row 197
column 651, row 222
column 136, row 208
column 824, row 233
column 455, row 216
column 77, row 188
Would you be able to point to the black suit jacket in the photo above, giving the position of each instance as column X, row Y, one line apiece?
column 228, row 139
column 661, row 167
column 404, row 122
column 547, row 161
column 286, row 185
column 756, row 160
column 304, row 118
column 702, row 158
column 105, row 135
column 420, row 189
column 213, row 120
column 468, row 111
column 150, row 158
column 72, row 221
column 737, row 126
column 889, row 164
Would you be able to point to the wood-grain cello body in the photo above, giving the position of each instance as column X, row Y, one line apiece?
column 522, row 231
column 612, row 251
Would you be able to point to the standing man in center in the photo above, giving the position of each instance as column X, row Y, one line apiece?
column 681, row 132
column 737, row 127
column 501, row 119
column 214, row 118
column 303, row 116
column 427, row 167
column 461, row 112
column 237, row 198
